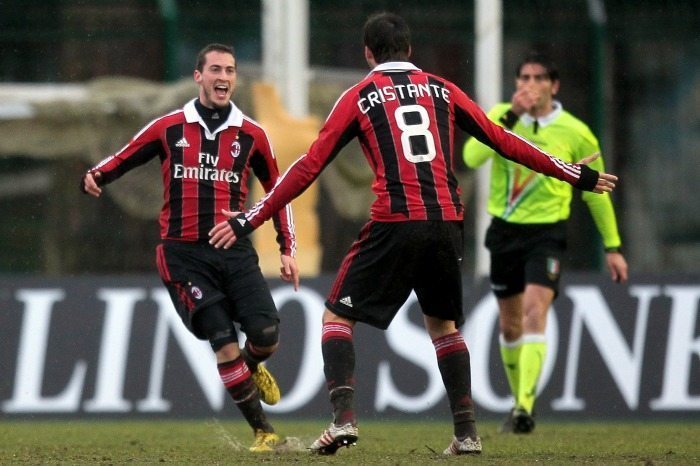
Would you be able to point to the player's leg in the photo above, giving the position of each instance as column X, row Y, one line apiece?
column 370, row 287
column 455, row 368
column 253, row 307
column 214, row 322
column 437, row 280
column 189, row 272
column 339, row 365
column 262, row 332
column 339, row 369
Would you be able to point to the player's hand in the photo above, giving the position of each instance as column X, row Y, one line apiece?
column 606, row 181
column 222, row 236
column 289, row 272
column 617, row 265
column 90, row 183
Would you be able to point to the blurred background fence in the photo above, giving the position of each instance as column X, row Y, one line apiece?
column 101, row 69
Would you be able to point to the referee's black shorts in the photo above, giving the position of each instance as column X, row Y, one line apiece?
column 389, row 260
column 524, row 253
column 198, row 275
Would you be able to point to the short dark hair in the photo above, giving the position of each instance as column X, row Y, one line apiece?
column 202, row 55
column 541, row 59
column 388, row 37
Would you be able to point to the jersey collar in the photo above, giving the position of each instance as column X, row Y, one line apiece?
column 526, row 119
column 235, row 118
column 395, row 66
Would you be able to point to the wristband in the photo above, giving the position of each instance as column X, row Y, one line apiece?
column 240, row 225
column 617, row 249
column 509, row 119
column 588, row 179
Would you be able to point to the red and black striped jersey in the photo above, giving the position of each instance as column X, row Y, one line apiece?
column 203, row 171
column 405, row 121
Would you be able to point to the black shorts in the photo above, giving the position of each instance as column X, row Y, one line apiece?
column 524, row 253
column 389, row 260
column 198, row 275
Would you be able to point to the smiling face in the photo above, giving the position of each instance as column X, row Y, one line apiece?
column 217, row 79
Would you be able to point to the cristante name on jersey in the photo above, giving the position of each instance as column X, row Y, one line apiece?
column 205, row 173
column 402, row 91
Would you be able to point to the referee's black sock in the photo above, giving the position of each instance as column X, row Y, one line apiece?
column 454, row 365
column 339, row 367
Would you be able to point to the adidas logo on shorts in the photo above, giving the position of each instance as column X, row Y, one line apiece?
column 347, row 301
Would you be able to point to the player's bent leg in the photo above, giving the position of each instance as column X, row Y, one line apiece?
column 263, row 337
column 236, row 377
column 214, row 322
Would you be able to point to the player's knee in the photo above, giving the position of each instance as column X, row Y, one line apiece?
column 226, row 351
column 264, row 336
column 219, row 339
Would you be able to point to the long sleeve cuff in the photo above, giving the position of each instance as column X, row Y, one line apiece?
column 240, row 225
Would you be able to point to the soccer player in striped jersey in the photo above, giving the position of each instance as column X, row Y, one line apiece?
column 527, row 235
column 208, row 150
column 405, row 120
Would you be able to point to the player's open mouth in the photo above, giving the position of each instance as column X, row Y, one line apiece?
column 221, row 90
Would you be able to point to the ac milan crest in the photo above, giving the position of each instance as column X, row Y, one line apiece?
column 196, row 292
column 235, row 149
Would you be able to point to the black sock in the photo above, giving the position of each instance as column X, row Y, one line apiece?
column 453, row 361
column 339, row 367
column 236, row 378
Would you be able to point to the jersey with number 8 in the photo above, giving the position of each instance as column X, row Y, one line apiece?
column 405, row 120
column 419, row 130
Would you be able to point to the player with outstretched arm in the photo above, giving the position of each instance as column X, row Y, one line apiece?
column 405, row 120
column 208, row 150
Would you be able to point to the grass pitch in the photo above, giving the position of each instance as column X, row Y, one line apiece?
column 388, row 442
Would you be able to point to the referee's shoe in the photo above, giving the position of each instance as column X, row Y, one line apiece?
column 267, row 385
column 523, row 422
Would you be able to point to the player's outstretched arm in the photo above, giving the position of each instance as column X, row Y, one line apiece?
column 606, row 181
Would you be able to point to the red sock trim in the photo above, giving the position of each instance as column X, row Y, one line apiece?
column 336, row 330
column 233, row 372
column 448, row 344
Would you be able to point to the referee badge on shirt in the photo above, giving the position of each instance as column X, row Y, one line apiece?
column 553, row 268
column 235, row 149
